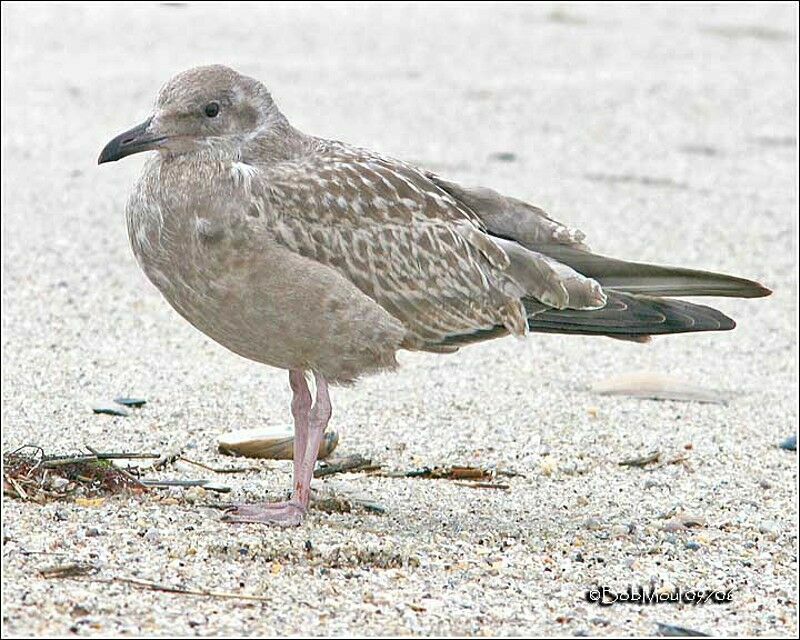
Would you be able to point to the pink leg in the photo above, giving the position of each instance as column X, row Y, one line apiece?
column 301, row 406
column 317, row 421
column 309, row 425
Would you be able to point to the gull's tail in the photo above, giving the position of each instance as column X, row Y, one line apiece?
column 635, row 308
column 632, row 317
column 652, row 280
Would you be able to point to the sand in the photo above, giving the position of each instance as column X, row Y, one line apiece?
column 666, row 134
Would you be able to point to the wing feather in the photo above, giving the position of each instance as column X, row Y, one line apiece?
column 398, row 237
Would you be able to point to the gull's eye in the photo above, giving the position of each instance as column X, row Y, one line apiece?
column 211, row 109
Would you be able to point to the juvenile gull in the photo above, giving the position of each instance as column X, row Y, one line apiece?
column 316, row 256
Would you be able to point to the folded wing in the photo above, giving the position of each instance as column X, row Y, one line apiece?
column 633, row 306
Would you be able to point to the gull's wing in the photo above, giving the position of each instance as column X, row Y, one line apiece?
column 410, row 245
column 531, row 227
column 632, row 290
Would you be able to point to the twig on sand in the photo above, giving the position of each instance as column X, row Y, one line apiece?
column 82, row 570
column 348, row 464
column 58, row 461
column 204, row 484
column 155, row 586
column 444, row 473
column 20, row 491
column 217, row 469
column 641, row 461
column 69, row 570
column 483, row 485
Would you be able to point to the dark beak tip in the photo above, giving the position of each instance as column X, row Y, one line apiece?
column 127, row 143
column 110, row 153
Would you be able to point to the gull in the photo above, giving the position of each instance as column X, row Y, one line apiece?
column 326, row 259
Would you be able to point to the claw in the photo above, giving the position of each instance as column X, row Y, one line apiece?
column 281, row 514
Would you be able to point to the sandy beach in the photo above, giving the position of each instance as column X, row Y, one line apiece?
column 666, row 133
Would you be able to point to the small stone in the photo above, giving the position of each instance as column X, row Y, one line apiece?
column 547, row 467
column 681, row 522
column 79, row 611
column 58, row 484
column 153, row 536
column 790, row 444
column 93, row 532
column 503, row 156
column 769, row 528
column 194, row 494
column 592, row 524
column 692, row 545
column 673, row 630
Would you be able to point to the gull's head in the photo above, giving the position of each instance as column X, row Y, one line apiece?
column 197, row 108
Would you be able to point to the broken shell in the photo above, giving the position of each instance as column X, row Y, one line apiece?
column 654, row 386
column 274, row 443
column 130, row 402
column 110, row 410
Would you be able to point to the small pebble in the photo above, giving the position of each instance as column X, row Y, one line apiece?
column 58, row 483
column 194, row 494
column 79, row 611
column 692, row 545
column 503, row 156
column 152, row 535
column 592, row 524
column 93, row 532
column 671, row 630
column 790, row 444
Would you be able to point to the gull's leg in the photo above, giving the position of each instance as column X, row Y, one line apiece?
column 310, row 423
column 301, row 407
column 317, row 421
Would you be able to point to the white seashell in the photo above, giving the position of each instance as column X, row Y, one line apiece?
column 657, row 387
column 274, row 443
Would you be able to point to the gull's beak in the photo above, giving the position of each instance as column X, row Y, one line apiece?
column 140, row 138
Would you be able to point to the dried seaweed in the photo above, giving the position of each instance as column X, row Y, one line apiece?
column 38, row 478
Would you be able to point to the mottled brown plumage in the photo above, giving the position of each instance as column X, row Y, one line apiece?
column 313, row 255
